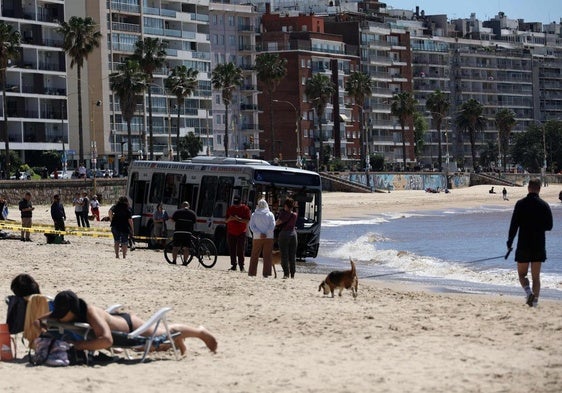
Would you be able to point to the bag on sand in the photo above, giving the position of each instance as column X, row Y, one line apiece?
column 50, row 351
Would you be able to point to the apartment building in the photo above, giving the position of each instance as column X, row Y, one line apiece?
column 36, row 91
column 233, row 30
column 303, row 41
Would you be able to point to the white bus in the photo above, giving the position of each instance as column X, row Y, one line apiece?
column 209, row 184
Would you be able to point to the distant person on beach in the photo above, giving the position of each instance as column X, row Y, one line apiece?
column 504, row 194
column 68, row 307
column 58, row 214
column 532, row 217
column 121, row 219
column 26, row 209
column 492, row 191
column 262, row 225
column 95, row 207
column 184, row 219
column 85, row 209
column 78, row 203
column 159, row 219
column 287, row 237
column 237, row 218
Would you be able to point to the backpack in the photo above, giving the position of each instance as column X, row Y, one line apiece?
column 16, row 314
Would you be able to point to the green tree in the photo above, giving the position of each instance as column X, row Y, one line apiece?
column 128, row 82
column 319, row 89
column 358, row 86
column 505, row 121
column 271, row 70
column 80, row 37
column 420, row 127
column 9, row 50
column 226, row 78
column 150, row 53
column 189, row 146
column 181, row 83
column 438, row 105
column 527, row 148
column 403, row 107
column 488, row 154
column 469, row 119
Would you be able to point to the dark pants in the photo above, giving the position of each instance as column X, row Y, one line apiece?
column 59, row 226
column 85, row 219
column 288, row 248
column 236, row 248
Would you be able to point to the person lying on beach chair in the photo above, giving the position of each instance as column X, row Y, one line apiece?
column 68, row 308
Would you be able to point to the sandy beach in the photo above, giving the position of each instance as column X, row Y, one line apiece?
column 279, row 335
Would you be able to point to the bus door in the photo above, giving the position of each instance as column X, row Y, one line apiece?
column 138, row 194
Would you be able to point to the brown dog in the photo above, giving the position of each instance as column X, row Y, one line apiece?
column 346, row 279
column 275, row 260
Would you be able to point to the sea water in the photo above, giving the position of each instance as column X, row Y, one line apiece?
column 452, row 250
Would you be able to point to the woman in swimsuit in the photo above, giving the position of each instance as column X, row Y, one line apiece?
column 69, row 308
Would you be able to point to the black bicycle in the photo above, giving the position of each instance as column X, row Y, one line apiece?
column 201, row 248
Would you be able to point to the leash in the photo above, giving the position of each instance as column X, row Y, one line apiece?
column 491, row 258
column 385, row 274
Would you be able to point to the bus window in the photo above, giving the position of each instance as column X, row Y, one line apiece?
column 172, row 190
column 223, row 196
column 133, row 179
column 207, row 196
column 156, row 187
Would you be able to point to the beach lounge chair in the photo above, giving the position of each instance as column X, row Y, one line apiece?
column 135, row 340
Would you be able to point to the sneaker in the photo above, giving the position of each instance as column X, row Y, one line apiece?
column 530, row 299
column 242, row 270
column 233, row 268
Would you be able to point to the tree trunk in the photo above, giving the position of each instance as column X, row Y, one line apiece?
column 226, row 131
column 80, row 125
column 178, row 136
column 129, row 142
column 403, row 148
column 150, row 133
column 5, row 133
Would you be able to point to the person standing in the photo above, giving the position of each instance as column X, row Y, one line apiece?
column 77, row 202
column 287, row 237
column 504, row 194
column 58, row 215
column 95, row 207
column 262, row 225
column 532, row 217
column 121, row 225
column 26, row 209
column 184, row 219
column 159, row 223
column 85, row 210
column 237, row 218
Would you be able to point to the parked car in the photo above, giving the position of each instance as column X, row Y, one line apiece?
column 22, row 176
column 62, row 175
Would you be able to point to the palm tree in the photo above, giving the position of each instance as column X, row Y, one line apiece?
column 403, row 107
column 9, row 50
column 80, row 38
column 438, row 104
column 127, row 84
column 358, row 86
column 181, row 83
column 319, row 89
column 226, row 78
column 470, row 119
column 505, row 121
column 151, row 55
column 271, row 70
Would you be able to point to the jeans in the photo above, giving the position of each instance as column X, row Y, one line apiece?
column 288, row 248
column 236, row 248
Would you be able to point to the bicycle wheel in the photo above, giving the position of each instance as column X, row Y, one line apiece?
column 207, row 253
column 168, row 254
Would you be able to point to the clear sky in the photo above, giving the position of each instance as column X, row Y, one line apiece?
column 546, row 11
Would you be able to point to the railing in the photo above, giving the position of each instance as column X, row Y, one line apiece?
column 118, row 6
column 129, row 27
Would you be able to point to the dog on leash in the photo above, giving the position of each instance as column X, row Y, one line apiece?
column 340, row 279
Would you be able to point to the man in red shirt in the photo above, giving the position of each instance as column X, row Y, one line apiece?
column 237, row 217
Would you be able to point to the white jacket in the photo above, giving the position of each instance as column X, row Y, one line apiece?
column 262, row 221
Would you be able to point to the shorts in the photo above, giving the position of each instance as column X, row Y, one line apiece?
column 182, row 239
column 120, row 237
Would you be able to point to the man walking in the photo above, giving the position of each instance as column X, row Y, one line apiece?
column 532, row 218
column 184, row 219
column 58, row 215
column 26, row 210
column 237, row 217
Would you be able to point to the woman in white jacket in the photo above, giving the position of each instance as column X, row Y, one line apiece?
column 262, row 224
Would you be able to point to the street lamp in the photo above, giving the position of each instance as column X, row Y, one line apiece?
column 297, row 129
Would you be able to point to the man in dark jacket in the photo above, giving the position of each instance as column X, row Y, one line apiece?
column 532, row 218
column 58, row 215
column 26, row 209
